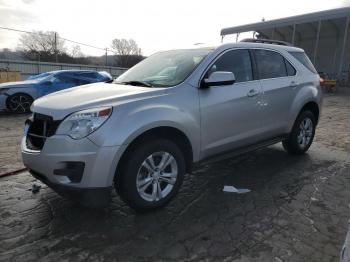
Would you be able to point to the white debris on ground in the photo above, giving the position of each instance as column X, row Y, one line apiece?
column 232, row 189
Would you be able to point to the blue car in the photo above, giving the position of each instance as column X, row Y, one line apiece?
column 17, row 97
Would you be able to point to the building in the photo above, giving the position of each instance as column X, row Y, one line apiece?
column 323, row 35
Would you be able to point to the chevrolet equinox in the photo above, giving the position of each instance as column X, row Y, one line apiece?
column 175, row 108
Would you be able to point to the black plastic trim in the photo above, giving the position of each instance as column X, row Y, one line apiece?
column 89, row 197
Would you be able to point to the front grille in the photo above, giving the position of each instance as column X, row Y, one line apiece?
column 40, row 128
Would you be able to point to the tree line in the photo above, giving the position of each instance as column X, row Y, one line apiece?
column 50, row 47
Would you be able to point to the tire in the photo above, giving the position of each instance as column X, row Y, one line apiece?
column 302, row 135
column 19, row 103
column 145, row 187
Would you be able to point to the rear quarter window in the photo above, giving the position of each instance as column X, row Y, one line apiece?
column 304, row 59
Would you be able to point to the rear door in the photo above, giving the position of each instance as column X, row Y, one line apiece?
column 279, row 83
column 230, row 114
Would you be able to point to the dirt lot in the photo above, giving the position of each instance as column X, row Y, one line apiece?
column 298, row 208
column 11, row 131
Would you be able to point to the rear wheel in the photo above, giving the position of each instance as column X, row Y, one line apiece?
column 151, row 174
column 19, row 103
column 302, row 135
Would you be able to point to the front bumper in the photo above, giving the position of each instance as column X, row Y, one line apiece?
column 90, row 197
column 99, row 165
column 3, row 99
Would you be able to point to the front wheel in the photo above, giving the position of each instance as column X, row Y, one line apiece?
column 302, row 135
column 19, row 103
column 151, row 174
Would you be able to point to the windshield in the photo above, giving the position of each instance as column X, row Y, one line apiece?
column 164, row 69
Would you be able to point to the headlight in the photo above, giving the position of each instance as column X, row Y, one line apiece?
column 83, row 123
column 3, row 90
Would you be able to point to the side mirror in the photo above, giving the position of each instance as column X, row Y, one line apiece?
column 219, row 78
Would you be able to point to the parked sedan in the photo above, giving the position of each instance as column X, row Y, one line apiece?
column 18, row 96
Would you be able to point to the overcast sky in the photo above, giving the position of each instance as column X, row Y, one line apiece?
column 154, row 24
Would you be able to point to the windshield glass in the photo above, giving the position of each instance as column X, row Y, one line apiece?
column 165, row 68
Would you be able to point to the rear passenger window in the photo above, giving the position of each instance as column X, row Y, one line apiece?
column 237, row 62
column 270, row 64
column 290, row 69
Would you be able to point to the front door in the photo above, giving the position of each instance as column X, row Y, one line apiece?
column 230, row 114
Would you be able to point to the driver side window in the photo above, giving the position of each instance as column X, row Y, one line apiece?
column 236, row 61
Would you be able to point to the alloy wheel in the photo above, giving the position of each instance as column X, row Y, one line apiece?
column 157, row 176
column 306, row 129
column 19, row 103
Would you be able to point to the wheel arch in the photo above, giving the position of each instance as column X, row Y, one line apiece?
column 313, row 107
column 166, row 132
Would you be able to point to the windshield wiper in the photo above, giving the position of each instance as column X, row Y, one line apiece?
column 135, row 83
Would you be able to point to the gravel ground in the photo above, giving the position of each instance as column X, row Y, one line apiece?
column 11, row 131
column 298, row 208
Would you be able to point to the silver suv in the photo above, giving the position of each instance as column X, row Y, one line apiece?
column 175, row 108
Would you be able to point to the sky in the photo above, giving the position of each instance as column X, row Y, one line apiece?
column 154, row 24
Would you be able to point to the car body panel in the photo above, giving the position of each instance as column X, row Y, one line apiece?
column 229, row 117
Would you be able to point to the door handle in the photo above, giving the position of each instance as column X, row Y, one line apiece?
column 252, row 93
column 294, row 83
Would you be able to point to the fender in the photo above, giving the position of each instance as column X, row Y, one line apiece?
column 307, row 93
column 130, row 121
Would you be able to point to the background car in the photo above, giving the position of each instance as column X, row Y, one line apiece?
column 18, row 96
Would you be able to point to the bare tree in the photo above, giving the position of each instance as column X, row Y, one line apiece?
column 76, row 52
column 41, row 45
column 125, row 49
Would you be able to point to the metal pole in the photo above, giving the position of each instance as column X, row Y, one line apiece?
column 293, row 35
column 56, row 47
column 343, row 47
column 106, row 56
column 317, row 40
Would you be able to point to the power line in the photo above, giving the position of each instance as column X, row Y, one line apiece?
column 21, row 31
column 68, row 40
column 75, row 42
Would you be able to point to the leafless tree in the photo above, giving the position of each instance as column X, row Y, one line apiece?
column 41, row 44
column 125, row 49
column 76, row 52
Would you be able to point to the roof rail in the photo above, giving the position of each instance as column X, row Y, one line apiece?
column 266, row 41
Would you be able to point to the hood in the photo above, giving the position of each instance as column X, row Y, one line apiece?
column 60, row 104
column 18, row 84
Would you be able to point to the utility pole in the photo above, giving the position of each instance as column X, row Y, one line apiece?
column 56, row 47
column 106, row 56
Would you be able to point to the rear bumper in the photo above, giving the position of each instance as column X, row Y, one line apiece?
column 89, row 197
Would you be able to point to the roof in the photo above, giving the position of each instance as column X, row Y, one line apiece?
column 260, row 45
column 298, row 19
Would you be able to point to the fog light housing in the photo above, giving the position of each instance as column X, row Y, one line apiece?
column 73, row 170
